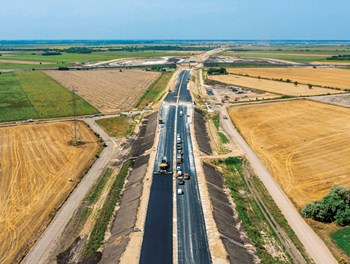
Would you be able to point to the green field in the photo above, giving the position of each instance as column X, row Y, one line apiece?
column 14, row 104
column 66, row 58
column 32, row 94
column 342, row 239
column 291, row 53
column 24, row 66
column 120, row 126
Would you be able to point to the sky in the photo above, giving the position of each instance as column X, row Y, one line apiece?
column 175, row 19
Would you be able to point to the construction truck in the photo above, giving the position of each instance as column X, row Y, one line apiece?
column 186, row 176
column 164, row 165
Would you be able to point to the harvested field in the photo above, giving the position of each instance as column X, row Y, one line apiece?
column 272, row 86
column 38, row 170
column 331, row 77
column 304, row 144
column 330, row 62
column 110, row 91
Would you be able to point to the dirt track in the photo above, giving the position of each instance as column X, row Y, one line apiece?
column 38, row 169
column 110, row 91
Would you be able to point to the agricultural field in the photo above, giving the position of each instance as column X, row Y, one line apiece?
column 24, row 62
column 32, row 94
column 295, row 57
column 110, row 91
column 67, row 58
column 330, row 77
column 295, row 53
column 306, row 150
column 342, row 238
column 271, row 86
column 38, row 170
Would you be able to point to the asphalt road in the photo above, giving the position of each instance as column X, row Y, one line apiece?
column 181, row 85
column 157, row 244
column 192, row 239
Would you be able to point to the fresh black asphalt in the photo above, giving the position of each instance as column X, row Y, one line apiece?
column 192, row 239
column 157, row 246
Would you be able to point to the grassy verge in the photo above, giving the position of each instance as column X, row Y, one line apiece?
column 98, row 232
column 248, row 210
column 342, row 239
column 222, row 136
column 120, row 126
column 93, row 197
column 253, row 212
column 277, row 214
column 155, row 91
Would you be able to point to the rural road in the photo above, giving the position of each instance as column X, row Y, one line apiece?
column 43, row 248
column 313, row 244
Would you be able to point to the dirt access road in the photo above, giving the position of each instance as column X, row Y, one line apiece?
column 41, row 251
column 316, row 248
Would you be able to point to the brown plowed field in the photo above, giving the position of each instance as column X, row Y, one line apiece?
column 38, row 169
column 272, row 86
column 330, row 77
column 304, row 144
column 110, row 91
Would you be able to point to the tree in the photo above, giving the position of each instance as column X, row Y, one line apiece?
column 343, row 217
column 334, row 207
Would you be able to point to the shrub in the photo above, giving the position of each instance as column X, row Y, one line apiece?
column 334, row 207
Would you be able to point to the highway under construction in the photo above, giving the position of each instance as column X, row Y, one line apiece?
column 189, row 226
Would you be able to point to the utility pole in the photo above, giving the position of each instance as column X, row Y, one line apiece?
column 76, row 139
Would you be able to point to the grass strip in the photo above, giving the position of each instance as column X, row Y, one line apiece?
column 120, row 126
column 222, row 136
column 155, row 91
column 253, row 220
column 98, row 232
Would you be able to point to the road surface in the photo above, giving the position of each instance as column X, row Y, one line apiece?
column 157, row 245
